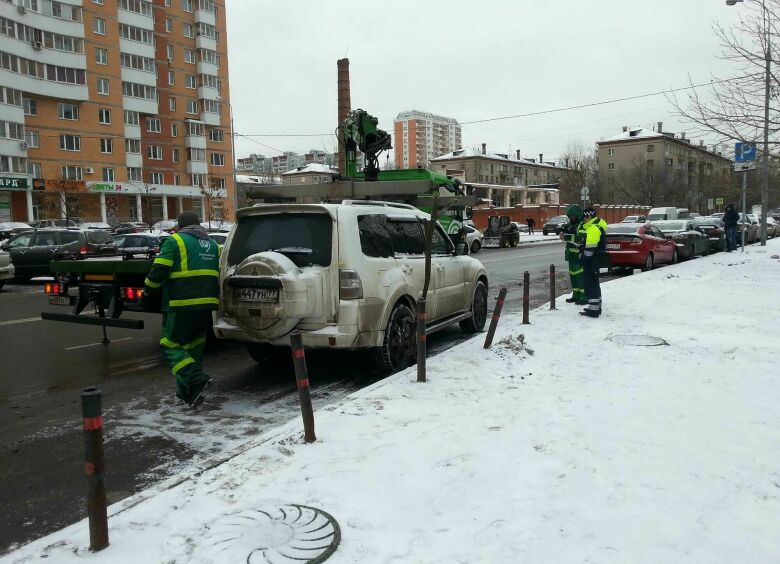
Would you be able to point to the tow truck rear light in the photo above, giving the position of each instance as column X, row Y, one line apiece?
column 53, row 288
column 131, row 294
column 84, row 250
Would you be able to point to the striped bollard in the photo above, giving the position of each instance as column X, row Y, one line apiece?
column 92, row 413
column 302, row 380
column 526, row 296
column 422, row 341
column 496, row 314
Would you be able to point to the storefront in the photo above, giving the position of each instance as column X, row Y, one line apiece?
column 14, row 198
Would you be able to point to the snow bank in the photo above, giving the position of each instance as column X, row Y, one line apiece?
column 563, row 445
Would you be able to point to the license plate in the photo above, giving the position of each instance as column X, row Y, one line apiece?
column 613, row 245
column 59, row 300
column 264, row 295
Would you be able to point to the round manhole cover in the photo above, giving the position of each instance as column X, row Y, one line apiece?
column 638, row 340
column 274, row 535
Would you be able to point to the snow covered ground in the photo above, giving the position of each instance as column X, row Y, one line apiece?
column 564, row 443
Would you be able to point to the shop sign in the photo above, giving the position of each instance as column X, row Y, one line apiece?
column 8, row 183
column 63, row 185
column 39, row 184
column 108, row 187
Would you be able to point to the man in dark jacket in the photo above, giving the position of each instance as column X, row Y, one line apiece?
column 730, row 220
column 530, row 223
column 187, row 269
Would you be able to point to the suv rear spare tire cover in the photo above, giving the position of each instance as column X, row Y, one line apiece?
column 259, row 320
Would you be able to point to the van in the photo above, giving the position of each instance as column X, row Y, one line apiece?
column 660, row 214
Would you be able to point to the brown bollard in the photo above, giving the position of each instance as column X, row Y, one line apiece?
column 422, row 341
column 496, row 314
column 302, row 380
column 552, row 286
column 526, row 296
column 92, row 413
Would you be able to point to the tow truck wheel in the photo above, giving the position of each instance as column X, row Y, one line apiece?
column 513, row 243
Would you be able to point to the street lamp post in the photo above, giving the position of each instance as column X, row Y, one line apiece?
column 767, row 83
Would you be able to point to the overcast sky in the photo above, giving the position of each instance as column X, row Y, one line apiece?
column 469, row 60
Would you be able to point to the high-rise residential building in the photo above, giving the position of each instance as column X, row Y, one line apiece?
column 114, row 110
column 422, row 136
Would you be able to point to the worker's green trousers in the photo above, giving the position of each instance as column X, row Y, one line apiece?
column 577, row 279
column 182, row 340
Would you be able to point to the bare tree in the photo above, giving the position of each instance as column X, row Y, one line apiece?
column 581, row 169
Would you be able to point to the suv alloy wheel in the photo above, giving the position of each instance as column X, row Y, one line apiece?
column 476, row 322
column 399, row 348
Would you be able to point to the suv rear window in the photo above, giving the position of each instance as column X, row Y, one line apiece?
column 305, row 238
column 99, row 237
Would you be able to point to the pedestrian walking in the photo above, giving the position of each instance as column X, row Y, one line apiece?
column 573, row 235
column 187, row 270
column 730, row 221
column 531, row 223
column 594, row 253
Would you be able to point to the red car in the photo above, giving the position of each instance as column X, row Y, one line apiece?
column 639, row 245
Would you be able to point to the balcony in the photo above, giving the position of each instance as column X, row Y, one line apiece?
column 210, row 118
column 139, row 77
column 195, row 142
column 140, row 105
column 202, row 16
column 135, row 19
column 197, row 167
column 136, row 48
column 203, row 42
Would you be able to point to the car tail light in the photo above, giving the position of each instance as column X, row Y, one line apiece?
column 636, row 240
column 84, row 250
column 54, row 288
column 350, row 286
column 155, row 249
column 131, row 294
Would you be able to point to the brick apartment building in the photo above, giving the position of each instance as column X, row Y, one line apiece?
column 421, row 136
column 114, row 110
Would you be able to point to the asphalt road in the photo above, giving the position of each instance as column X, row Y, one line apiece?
column 148, row 436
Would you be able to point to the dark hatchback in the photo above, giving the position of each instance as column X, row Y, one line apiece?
column 31, row 252
column 130, row 227
column 555, row 225
column 133, row 244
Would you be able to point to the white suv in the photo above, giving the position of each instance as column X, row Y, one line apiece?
column 347, row 276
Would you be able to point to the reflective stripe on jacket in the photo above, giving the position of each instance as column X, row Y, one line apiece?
column 573, row 238
column 187, row 268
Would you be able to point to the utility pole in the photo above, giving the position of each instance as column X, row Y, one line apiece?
column 765, row 155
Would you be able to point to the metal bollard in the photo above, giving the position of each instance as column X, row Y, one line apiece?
column 302, row 380
column 422, row 341
column 92, row 413
column 496, row 314
column 552, row 286
column 526, row 296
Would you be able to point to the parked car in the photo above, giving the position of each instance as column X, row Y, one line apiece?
column 772, row 227
column 521, row 227
column 555, row 225
column 130, row 245
column 750, row 228
column 10, row 228
column 31, row 252
column 347, row 276
column 473, row 239
column 662, row 214
column 690, row 240
column 715, row 232
column 719, row 215
column 217, row 226
column 49, row 223
column 167, row 225
column 130, row 227
column 634, row 219
column 219, row 238
column 96, row 225
column 640, row 245
column 6, row 268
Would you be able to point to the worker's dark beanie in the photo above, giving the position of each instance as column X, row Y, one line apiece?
column 187, row 218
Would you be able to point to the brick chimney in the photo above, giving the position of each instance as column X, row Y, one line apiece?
column 517, row 153
column 625, row 128
column 344, row 107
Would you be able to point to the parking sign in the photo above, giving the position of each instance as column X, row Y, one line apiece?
column 744, row 152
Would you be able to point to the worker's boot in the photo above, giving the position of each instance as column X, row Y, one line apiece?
column 591, row 312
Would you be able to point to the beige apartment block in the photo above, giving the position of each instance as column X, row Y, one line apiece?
column 115, row 110
column 419, row 137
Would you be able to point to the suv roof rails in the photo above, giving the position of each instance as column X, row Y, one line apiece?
column 377, row 203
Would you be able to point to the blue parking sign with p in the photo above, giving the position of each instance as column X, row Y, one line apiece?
column 744, row 152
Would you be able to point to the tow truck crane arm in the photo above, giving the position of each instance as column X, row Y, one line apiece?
column 360, row 131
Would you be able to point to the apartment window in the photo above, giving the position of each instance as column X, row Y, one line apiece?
column 196, row 154
column 101, row 56
column 106, row 145
column 197, row 179
column 169, row 51
column 133, row 146
column 650, row 148
column 137, row 62
column 174, row 130
column 34, row 169
column 177, row 179
column 171, row 77
column 172, row 104
column 610, row 152
column 186, row 5
column 153, row 125
column 187, row 30
column 212, row 106
column 135, row 90
column 167, row 3
column 156, row 178
column 669, row 162
column 610, row 166
column 210, row 81
column 134, row 173
column 650, row 163
column 11, row 130
column 97, row 2
column 103, row 86
column 70, row 142
column 67, row 111
column 30, row 106
column 168, row 25
column 189, row 56
column 175, row 155
column 216, row 135
column 136, row 34
column 132, row 118
column 142, row 7
column 104, row 116
column 108, row 174
column 154, row 152
column 192, row 106
column 217, row 159
column 195, row 128
column 99, row 26
column 71, row 172
column 219, row 183
column 32, row 138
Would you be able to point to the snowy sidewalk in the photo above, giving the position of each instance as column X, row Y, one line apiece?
column 586, row 449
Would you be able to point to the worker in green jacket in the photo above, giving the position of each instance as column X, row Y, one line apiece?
column 594, row 251
column 187, row 269
column 573, row 234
